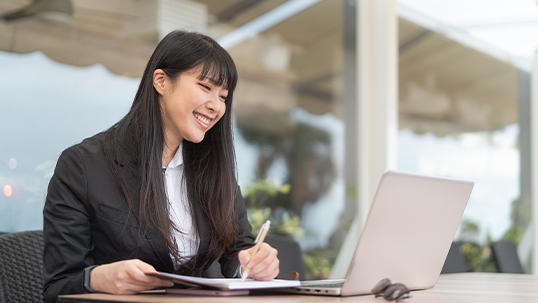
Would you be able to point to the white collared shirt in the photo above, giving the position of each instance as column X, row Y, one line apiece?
column 187, row 240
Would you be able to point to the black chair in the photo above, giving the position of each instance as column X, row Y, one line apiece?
column 289, row 254
column 21, row 267
column 455, row 262
column 505, row 255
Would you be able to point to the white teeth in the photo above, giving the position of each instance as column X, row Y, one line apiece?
column 202, row 119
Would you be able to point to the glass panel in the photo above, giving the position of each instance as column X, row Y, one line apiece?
column 459, row 118
column 46, row 107
column 64, row 81
column 290, row 131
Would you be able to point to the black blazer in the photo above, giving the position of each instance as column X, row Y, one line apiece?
column 87, row 222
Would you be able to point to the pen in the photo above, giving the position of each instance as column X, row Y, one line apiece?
column 259, row 240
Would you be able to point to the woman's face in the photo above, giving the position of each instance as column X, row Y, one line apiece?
column 190, row 106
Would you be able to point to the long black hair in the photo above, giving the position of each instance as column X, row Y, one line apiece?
column 209, row 166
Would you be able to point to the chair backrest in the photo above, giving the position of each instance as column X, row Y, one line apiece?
column 455, row 262
column 289, row 254
column 21, row 267
column 506, row 257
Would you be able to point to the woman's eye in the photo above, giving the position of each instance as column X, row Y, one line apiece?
column 205, row 86
column 223, row 98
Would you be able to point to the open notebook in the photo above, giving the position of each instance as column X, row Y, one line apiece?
column 226, row 284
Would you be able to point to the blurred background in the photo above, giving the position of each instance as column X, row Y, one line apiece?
column 70, row 69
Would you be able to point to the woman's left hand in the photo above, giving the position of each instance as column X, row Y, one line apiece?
column 264, row 265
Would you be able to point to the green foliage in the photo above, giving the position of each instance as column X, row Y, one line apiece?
column 470, row 228
column 258, row 216
column 288, row 225
column 521, row 217
column 257, row 195
column 319, row 262
column 514, row 234
column 477, row 256
column 521, row 212
column 351, row 191
column 307, row 153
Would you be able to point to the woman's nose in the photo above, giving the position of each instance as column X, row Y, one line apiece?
column 214, row 104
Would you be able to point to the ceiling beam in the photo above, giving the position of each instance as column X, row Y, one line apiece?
column 265, row 21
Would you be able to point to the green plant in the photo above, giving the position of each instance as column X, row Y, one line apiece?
column 258, row 216
column 319, row 262
column 259, row 196
column 477, row 256
column 520, row 217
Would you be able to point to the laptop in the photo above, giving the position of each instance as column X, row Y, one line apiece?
column 410, row 227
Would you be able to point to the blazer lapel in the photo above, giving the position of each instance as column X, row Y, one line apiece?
column 201, row 224
column 129, row 169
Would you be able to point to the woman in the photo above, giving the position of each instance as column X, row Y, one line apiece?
column 157, row 191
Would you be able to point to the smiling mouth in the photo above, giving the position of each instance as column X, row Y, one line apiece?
column 202, row 119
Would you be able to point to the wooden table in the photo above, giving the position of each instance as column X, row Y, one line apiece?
column 457, row 288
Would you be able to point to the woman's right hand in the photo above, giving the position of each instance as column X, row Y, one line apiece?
column 125, row 277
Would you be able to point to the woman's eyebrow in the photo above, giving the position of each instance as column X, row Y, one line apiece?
column 213, row 81
column 208, row 79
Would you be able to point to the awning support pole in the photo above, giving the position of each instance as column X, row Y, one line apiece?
column 376, row 111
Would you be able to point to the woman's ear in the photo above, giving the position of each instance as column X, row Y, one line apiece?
column 159, row 78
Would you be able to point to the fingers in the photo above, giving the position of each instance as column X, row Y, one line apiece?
column 265, row 255
column 137, row 273
column 244, row 257
column 264, row 265
column 267, row 273
column 137, row 270
column 125, row 277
